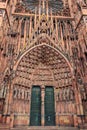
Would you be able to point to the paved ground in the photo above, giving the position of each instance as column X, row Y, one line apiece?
column 6, row 127
column 46, row 128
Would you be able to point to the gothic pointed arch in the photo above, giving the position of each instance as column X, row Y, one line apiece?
column 40, row 41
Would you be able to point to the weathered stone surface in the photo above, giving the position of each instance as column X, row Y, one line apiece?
column 43, row 46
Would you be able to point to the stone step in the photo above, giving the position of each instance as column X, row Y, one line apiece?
column 4, row 127
column 45, row 128
column 85, row 126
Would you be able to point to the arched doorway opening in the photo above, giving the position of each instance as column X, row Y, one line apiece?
column 43, row 66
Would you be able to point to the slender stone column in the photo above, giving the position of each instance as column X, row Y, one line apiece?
column 80, row 112
column 30, row 103
column 7, row 107
column 30, row 27
column 6, row 101
column 42, row 105
column 56, row 112
column 19, row 37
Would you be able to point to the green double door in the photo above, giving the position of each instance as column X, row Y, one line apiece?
column 49, row 106
column 35, row 115
column 49, row 109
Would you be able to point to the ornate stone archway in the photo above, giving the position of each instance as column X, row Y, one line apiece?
column 45, row 66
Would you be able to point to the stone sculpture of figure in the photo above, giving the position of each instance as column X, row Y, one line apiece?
column 61, row 94
column 64, row 94
column 71, row 94
column 20, row 94
column 28, row 95
column 58, row 96
column 14, row 93
column 1, row 92
column 5, row 92
column 83, row 93
column 67, row 95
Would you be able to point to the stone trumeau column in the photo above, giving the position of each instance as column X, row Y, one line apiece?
column 42, row 105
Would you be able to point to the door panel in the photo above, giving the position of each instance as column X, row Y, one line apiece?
column 35, row 115
column 49, row 106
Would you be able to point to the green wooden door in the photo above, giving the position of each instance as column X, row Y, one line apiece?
column 35, row 115
column 49, row 106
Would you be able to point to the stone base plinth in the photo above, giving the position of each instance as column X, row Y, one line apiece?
column 21, row 120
